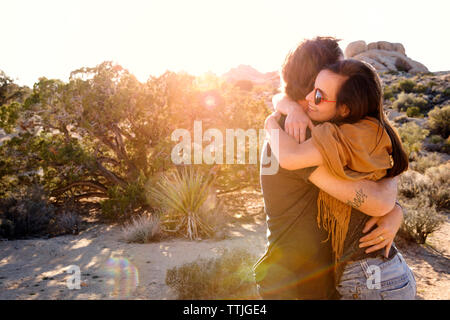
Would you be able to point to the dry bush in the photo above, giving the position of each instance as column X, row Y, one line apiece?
column 68, row 222
column 439, row 121
column 26, row 215
column 229, row 276
column 412, row 137
column 422, row 163
column 142, row 229
column 440, row 185
column 406, row 85
column 423, row 196
column 433, row 185
column 406, row 100
column 32, row 215
column 420, row 220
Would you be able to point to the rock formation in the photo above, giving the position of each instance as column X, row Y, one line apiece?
column 384, row 56
column 244, row 72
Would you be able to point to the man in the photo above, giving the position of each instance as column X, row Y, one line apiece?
column 298, row 262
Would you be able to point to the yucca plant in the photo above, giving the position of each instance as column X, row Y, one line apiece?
column 187, row 202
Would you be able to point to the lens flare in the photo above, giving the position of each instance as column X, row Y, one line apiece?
column 210, row 101
column 123, row 276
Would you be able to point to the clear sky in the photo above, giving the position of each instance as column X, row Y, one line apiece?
column 53, row 37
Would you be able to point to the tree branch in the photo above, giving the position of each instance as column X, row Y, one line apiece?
column 109, row 175
column 92, row 184
column 90, row 195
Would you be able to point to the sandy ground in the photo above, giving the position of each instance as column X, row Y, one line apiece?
column 113, row 269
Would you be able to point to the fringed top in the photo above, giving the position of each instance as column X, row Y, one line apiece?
column 353, row 152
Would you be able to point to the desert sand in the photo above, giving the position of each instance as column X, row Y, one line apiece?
column 113, row 269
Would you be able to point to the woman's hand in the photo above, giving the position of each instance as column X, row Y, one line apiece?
column 384, row 234
column 296, row 121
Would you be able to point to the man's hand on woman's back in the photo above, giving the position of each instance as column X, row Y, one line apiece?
column 382, row 236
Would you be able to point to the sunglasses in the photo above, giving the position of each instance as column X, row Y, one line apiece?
column 318, row 97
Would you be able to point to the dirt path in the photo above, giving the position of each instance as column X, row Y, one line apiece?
column 113, row 269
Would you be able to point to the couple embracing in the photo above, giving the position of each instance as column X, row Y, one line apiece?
column 331, row 208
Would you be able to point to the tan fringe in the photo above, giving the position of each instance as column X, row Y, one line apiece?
column 335, row 218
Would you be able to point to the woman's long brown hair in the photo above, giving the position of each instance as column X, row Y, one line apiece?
column 362, row 93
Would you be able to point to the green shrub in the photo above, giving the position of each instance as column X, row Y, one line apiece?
column 412, row 137
column 413, row 112
column 387, row 93
column 446, row 92
column 437, row 99
column 406, row 85
column 392, row 72
column 436, row 139
column 142, row 229
column 420, row 88
column 123, row 201
column 439, row 121
column 188, row 203
column 422, row 163
column 431, row 84
column 446, row 146
column 229, row 276
column 406, row 100
column 438, row 144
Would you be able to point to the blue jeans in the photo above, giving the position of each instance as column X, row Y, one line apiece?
column 377, row 279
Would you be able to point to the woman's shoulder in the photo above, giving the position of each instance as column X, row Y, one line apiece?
column 366, row 125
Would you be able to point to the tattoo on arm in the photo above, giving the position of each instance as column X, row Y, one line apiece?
column 358, row 200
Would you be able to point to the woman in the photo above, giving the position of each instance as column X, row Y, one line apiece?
column 353, row 141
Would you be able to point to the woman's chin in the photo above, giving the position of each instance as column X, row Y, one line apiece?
column 313, row 115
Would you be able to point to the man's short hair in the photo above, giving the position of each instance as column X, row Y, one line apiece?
column 303, row 64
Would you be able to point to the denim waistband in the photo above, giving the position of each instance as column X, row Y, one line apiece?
column 381, row 262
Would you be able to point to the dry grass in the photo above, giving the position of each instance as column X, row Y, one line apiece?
column 229, row 276
column 142, row 229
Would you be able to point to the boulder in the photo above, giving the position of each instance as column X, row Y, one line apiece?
column 384, row 56
column 390, row 60
column 398, row 47
column 355, row 48
column 381, row 45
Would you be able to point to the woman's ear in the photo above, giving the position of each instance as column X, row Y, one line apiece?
column 344, row 111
